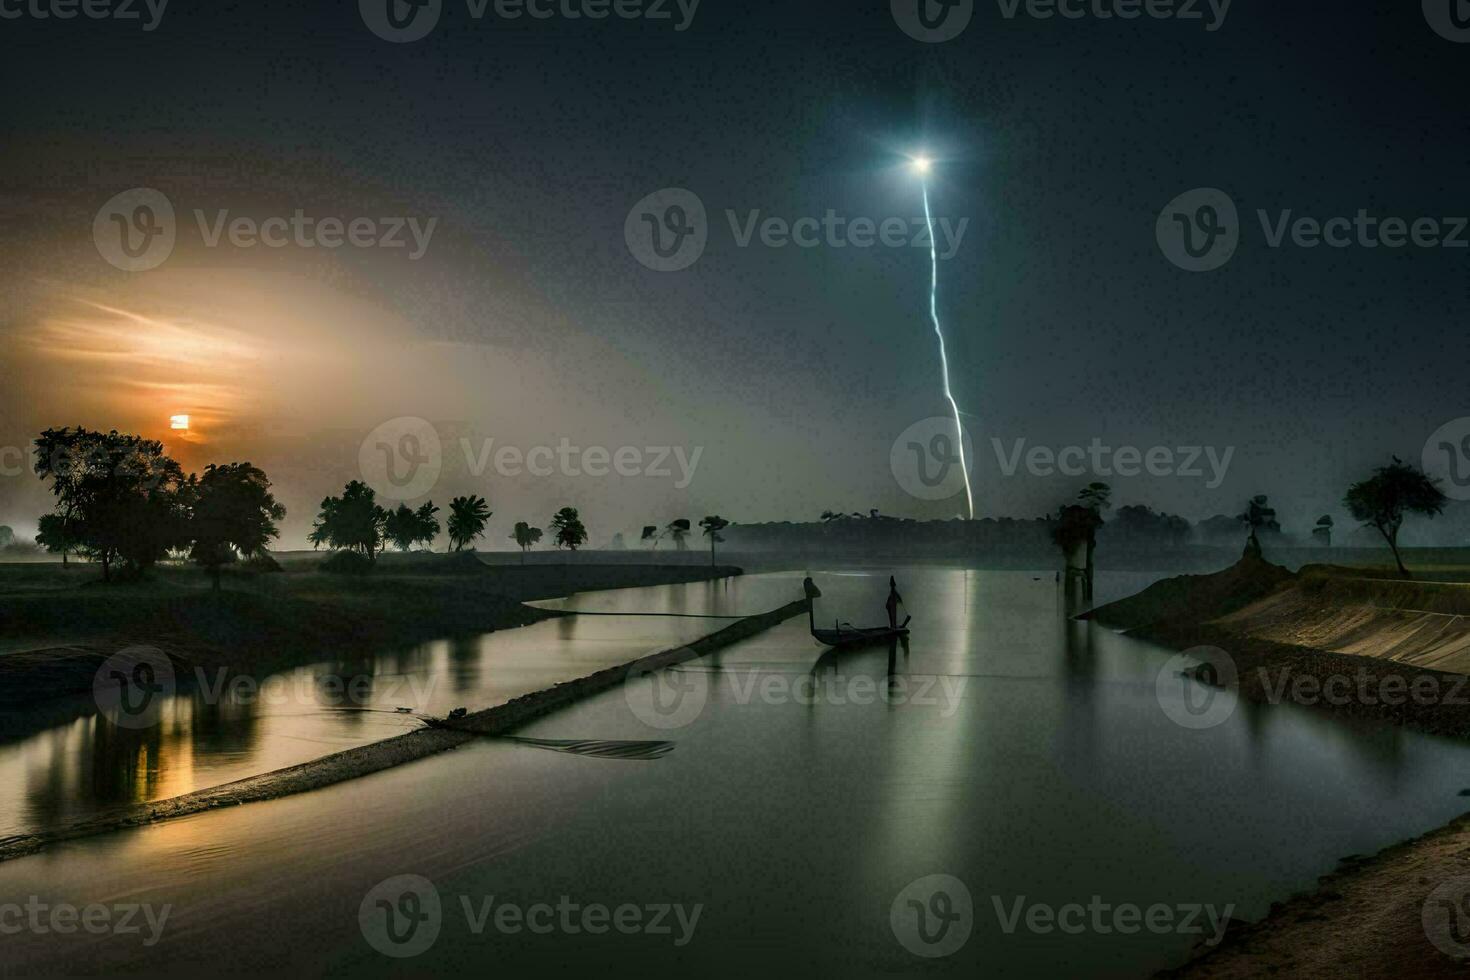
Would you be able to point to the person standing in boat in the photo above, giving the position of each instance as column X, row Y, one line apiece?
column 892, row 604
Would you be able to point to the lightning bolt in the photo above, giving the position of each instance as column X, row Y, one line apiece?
column 943, row 356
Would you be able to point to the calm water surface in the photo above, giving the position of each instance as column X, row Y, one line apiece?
column 797, row 804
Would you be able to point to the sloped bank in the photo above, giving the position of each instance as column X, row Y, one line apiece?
column 1289, row 636
column 378, row 756
column 1321, row 638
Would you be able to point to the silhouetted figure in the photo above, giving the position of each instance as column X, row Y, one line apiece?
column 812, row 594
column 892, row 604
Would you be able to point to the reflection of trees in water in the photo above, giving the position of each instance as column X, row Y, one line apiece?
column 464, row 664
column 1079, row 684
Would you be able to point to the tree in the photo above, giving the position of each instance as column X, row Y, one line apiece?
column 1096, row 497
column 426, row 525
column 567, row 524
column 1074, row 531
column 1258, row 516
column 526, row 537
column 119, row 497
column 401, row 527
column 1323, row 531
column 54, row 535
column 713, row 525
column 467, row 518
column 1141, row 525
column 678, row 530
column 1394, row 491
column 351, row 522
column 233, row 512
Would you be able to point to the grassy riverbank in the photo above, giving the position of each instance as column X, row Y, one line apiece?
column 59, row 622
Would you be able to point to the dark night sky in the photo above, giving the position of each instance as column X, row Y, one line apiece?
column 795, row 369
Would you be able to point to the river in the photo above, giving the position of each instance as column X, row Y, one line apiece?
column 808, row 797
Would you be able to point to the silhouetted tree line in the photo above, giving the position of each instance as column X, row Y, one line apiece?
column 122, row 502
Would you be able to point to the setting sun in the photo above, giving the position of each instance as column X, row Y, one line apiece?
column 178, row 422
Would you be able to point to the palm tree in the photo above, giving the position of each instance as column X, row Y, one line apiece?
column 426, row 525
column 713, row 525
column 526, row 536
column 467, row 517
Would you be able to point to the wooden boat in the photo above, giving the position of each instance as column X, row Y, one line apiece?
column 847, row 635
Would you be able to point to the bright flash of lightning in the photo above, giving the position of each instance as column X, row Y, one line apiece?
column 922, row 166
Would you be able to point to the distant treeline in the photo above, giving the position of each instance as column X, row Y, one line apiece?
column 1129, row 528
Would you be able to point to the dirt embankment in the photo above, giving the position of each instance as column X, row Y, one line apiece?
column 367, row 759
column 1338, row 640
column 1325, row 638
